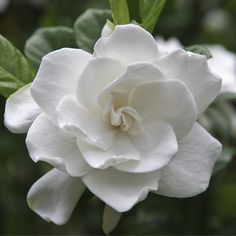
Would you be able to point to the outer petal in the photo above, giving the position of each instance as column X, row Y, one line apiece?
column 91, row 126
column 20, row 111
column 226, row 70
column 127, row 43
column 55, row 195
column 46, row 142
column 97, row 74
column 167, row 100
column 189, row 172
column 157, row 146
column 57, row 77
column 121, row 150
column 193, row 70
column 120, row 190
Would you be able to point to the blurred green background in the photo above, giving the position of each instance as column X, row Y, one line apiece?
column 213, row 212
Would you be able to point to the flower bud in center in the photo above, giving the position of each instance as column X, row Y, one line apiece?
column 124, row 117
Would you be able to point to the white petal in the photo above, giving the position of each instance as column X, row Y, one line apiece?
column 127, row 43
column 46, row 142
column 20, row 110
column 121, row 150
column 167, row 100
column 96, row 75
column 57, row 77
column 193, row 70
column 120, row 190
column 110, row 219
column 157, row 146
column 135, row 75
column 168, row 45
column 54, row 196
column 78, row 121
column 189, row 172
column 223, row 63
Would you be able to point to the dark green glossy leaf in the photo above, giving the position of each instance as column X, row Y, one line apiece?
column 15, row 70
column 88, row 27
column 46, row 40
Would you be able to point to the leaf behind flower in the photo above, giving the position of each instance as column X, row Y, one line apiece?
column 15, row 70
column 150, row 11
column 200, row 49
column 46, row 40
column 88, row 27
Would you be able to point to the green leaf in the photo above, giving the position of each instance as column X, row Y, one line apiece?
column 224, row 159
column 219, row 120
column 199, row 49
column 110, row 219
column 229, row 96
column 120, row 12
column 46, row 40
column 150, row 11
column 88, row 27
column 15, row 70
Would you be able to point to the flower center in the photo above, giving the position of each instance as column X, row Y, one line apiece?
column 124, row 117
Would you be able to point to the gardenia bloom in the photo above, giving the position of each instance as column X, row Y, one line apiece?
column 223, row 62
column 121, row 122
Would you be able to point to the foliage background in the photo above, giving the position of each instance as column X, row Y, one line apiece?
column 213, row 212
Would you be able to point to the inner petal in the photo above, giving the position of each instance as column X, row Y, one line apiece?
column 125, row 118
column 119, row 89
column 157, row 145
column 127, row 122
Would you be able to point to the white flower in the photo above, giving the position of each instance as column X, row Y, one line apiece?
column 223, row 62
column 168, row 45
column 121, row 122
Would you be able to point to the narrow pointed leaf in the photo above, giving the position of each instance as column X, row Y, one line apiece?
column 120, row 12
column 150, row 11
